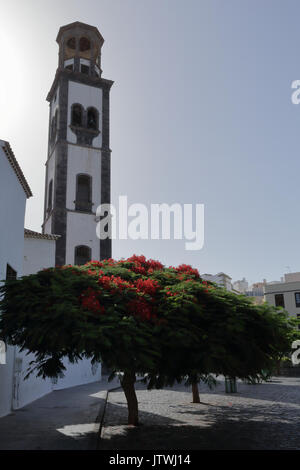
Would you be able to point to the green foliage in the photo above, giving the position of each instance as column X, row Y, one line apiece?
column 137, row 315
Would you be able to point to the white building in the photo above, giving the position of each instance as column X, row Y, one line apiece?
column 14, row 191
column 257, row 288
column 39, row 253
column 24, row 252
column 285, row 294
column 241, row 285
column 222, row 279
column 256, row 292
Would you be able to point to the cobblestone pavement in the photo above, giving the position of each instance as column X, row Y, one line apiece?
column 262, row 416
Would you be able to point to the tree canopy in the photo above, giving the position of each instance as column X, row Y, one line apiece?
column 140, row 317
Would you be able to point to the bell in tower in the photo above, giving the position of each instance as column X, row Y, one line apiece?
column 78, row 160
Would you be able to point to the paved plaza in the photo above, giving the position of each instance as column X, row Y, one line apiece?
column 62, row 420
column 262, row 416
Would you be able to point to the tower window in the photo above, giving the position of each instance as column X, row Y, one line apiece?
column 71, row 43
column 85, row 48
column 53, row 128
column 83, row 254
column 83, row 200
column 70, row 48
column 92, row 118
column 10, row 273
column 84, row 44
column 76, row 119
column 50, row 192
column 85, row 69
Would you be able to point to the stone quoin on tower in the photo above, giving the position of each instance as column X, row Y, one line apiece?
column 78, row 160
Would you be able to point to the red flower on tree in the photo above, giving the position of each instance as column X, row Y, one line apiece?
column 140, row 308
column 187, row 269
column 90, row 302
column 148, row 286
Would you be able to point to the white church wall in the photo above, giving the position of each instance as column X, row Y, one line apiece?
column 87, row 96
column 82, row 372
column 83, row 160
column 47, row 225
column 82, row 226
column 12, row 212
column 6, row 382
column 40, row 254
column 26, row 391
column 81, row 231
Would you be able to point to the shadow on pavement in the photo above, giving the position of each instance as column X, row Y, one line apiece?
column 62, row 420
column 228, row 429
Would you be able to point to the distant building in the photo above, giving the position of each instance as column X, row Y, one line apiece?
column 259, row 285
column 257, row 289
column 285, row 294
column 241, row 286
column 256, row 299
column 292, row 277
column 222, row 279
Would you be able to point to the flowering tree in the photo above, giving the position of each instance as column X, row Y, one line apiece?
column 139, row 318
column 219, row 332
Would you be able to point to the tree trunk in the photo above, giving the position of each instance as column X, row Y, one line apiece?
column 278, row 364
column 195, row 390
column 127, row 383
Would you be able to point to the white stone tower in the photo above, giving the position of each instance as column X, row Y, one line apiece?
column 78, row 162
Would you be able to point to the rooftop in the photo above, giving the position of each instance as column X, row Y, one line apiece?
column 78, row 25
column 16, row 167
column 43, row 236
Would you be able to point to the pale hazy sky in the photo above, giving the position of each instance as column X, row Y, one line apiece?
column 201, row 112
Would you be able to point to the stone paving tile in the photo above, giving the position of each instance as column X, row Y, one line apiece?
column 262, row 416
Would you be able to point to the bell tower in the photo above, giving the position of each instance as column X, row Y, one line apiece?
column 78, row 160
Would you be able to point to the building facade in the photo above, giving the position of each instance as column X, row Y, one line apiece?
column 285, row 294
column 14, row 191
column 222, row 279
column 78, row 161
column 241, row 285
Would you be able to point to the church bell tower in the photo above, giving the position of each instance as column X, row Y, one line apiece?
column 78, row 160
